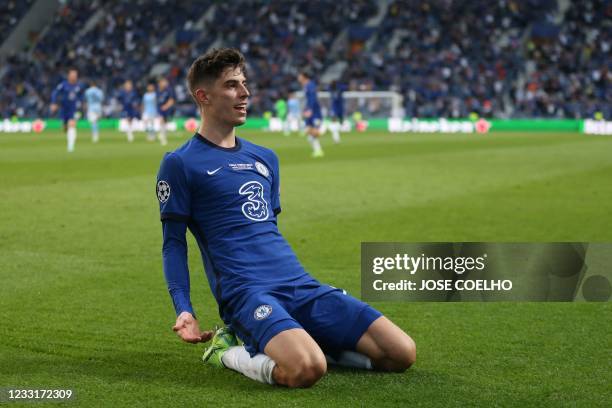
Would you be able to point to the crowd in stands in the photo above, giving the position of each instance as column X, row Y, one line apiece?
column 278, row 38
column 30, row 77
column 11, row 12
column 120, row 44
column 448, row 58
column 569, row 73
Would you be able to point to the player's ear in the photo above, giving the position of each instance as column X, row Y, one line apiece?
column 201, row 96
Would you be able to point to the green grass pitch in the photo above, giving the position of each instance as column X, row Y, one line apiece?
column 83, row 303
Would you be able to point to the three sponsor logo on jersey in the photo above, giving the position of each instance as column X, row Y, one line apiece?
column 256, row 207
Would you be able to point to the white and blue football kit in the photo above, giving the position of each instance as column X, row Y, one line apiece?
column 229, row 199
column 69, row 96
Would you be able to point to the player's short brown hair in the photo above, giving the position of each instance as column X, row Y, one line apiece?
column 209, row 66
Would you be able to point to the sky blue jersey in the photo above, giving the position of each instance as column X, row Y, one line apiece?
column 149, row 104
column 94, row 97
column 293, row 107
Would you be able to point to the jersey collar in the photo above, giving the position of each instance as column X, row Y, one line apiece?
column 225, row 149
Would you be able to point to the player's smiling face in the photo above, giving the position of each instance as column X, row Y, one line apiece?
column 228, row 97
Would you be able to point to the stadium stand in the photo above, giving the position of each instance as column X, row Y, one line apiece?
column 569, row 69
column 448, row 58
column 11, row 12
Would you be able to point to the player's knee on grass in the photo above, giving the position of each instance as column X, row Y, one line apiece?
column 389, row 348
column 301, row 367
column 300, row 362
column 403, row 357
column 398, row 358
column 305, row 371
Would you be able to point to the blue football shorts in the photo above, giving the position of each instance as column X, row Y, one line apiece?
column 68, row 114
column 313, row 121
column 337, row 114
column 334, row 319
column 166, row 114
column 130, row 114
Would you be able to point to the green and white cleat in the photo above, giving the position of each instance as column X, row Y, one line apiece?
column 223, row 339
column 318, row 154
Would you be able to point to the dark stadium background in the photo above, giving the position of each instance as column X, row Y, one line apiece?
column 499, row 58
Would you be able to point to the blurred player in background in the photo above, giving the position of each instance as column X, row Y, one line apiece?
column 280, row 106
column 312, row 112
column 149, row 113
column 68, row 94
column 337, row 109
column 165, row 105
column 94, row 97
column 294, row 113
column 129, row 107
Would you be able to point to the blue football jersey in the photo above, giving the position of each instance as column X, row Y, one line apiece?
column 312, row 100
column 229, row 198
column 129, row 100
column 163, row 96
column 337, row 99
column 68, row 95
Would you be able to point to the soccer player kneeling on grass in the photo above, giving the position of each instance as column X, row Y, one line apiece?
column 225, row 190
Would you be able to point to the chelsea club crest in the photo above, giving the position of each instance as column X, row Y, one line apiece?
column 262, row 169
column 262, row 312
